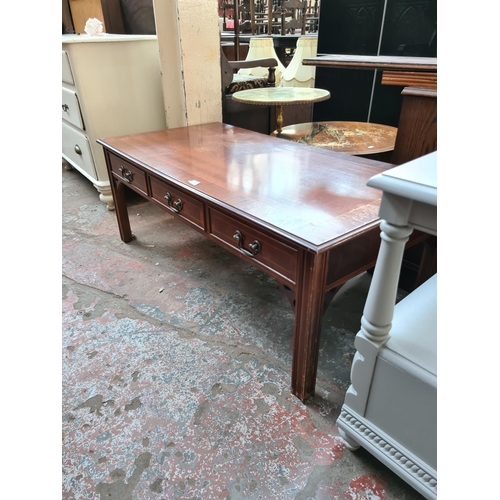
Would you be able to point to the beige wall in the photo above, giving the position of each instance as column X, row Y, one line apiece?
column 189, row 44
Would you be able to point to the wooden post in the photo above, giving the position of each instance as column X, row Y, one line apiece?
column 252, row 16
column 269, row 17
column 236, row 18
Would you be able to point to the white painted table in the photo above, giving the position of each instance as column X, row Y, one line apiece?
column 390, row 407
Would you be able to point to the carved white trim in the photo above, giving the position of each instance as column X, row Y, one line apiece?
column 356, row 427
column 362, row 369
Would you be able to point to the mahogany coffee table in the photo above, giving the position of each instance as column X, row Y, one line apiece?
column 305, row 217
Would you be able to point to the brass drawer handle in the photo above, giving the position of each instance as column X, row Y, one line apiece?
column 78, row 151
column 65, row 107
column 176, row 207
column 254, row 247
column 126, row 174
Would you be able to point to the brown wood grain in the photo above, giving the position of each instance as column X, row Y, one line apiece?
column 308, row 315
column 135, row 178
column 428, row 64
column 410, row 78
column 230, row 51
column 118, row 190
column 275, row 257
column 311, row 196
column 192, row 210
column 417, row 129
column 309, row 209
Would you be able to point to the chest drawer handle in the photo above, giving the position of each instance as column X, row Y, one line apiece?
column 78, row 151
column 126, row 174
column 254, row 247
column 176, row 207
column 65, row 107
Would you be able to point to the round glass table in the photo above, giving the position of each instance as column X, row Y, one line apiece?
column 279, row 97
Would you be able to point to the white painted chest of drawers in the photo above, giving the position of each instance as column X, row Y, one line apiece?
column 111, row 85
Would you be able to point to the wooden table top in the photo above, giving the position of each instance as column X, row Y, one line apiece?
column 281, row 95
column 373, row 62
column 357, row 138
column 311, row 196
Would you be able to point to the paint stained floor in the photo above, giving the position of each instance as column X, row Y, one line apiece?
column 176, row 370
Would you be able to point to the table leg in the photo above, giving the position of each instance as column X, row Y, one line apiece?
column 279, row 118
column 329, row 296
column 307, row 328
column 378, row 313
column 118, row 190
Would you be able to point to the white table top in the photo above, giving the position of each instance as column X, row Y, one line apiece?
column 415, row 180
column 104, row 37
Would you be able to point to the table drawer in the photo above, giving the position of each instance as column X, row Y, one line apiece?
column 260, row 248
column 178, row 202
column 76, row 150
column 71, row 111
column 132, row 176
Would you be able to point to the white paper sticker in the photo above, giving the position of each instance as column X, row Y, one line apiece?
column 194, row 183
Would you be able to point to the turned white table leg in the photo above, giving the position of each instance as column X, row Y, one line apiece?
column 379, row 306
column 377, row 314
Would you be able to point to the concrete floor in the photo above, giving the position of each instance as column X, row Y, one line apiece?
column 176, row 370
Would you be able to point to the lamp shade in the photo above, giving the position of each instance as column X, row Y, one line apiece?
column 296, row 74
